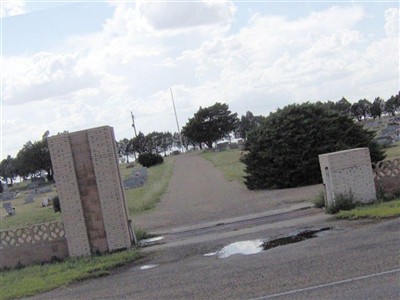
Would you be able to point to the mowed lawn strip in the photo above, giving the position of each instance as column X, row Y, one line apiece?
column 146, row 197
column 382, row 210
column 228, row 162
column 393, row 152
column 37, row 279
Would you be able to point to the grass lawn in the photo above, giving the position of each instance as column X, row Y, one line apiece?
column 28, row 214
column 36, row 279
column 393, row 152
column 138, row 200
column 228, row 162
column 146, row 197
column 374, row 211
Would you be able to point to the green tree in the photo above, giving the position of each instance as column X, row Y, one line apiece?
column 356, row 111
column 247, row 123
column 166, row 141
column 34, row 158
column 8, row 170
column 210, row 124
column 377, row 108
column 343, row 106
column 283, row 151
column 124, row 149
column 392, row 105
column 365, row 108
column 139, row 144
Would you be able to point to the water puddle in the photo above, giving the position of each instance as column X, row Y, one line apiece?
column 256, row 246
column 146, row 267
column 151, row 241
column 294, row 238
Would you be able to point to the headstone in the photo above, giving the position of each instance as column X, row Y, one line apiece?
column 137, row 179
column 44, row 189
column 7, row 196
column 30, row 198
column 9, row 209
column 222, row 146
column 45, row 202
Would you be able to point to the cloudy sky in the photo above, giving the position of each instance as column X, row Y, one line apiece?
column 72, row 65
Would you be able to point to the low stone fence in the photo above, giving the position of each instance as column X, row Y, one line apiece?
column 35, row 244
column 387, row 176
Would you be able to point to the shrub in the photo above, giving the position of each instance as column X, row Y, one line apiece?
column 283, row 151
column 56, row 204
column 149, row 159
column 319, row 200
column 342, row 202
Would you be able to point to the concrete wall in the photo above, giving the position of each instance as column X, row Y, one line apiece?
column 34, row 244
column 387, row 176
column 28, row 254
column 91, row 194
column 348, row 172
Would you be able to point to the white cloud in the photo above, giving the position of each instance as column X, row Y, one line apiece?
column 12, row 8
column 164, row 15
column 392, row 22
column 131, row 64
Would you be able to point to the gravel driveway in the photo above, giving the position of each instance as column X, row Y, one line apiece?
column 198, row 193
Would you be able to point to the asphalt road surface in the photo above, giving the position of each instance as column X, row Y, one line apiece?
column 352, row 260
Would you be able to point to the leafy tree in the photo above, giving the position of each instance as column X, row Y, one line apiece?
column 392, row 105
column 283, row 151
column 8, row 169
column 139, row 144
column 210, row 124
column 364, row 107
column 166, row 141
column 247, row 123
column 356, row 111
column 124, row 149
column 377, row 107
column 343, row 107
column 34, row 158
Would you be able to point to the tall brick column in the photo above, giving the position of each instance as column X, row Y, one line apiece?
column 91, row 193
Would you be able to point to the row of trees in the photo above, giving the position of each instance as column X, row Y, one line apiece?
column 31, row 161
column 207, row 126
column 154, row 142
column 215, row 122
column 363, row 108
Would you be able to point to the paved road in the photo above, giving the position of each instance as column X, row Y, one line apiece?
column 199, row 193
column 353, row 260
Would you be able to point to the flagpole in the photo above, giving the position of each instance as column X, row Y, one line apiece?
column 176, row 118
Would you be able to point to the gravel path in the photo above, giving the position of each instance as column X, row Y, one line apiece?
column 198, row 193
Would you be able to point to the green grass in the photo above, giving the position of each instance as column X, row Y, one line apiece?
column 138, row 200
column 146, row 197
column 28, row 214
column 36, row 279
column 228, row 162
column 374, row 211
column 393, row 152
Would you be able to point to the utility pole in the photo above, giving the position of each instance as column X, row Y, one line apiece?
column 176, row 118
column 134, row 129
column 133, row 123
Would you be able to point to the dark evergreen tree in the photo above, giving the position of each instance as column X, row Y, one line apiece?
column 283, row 151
